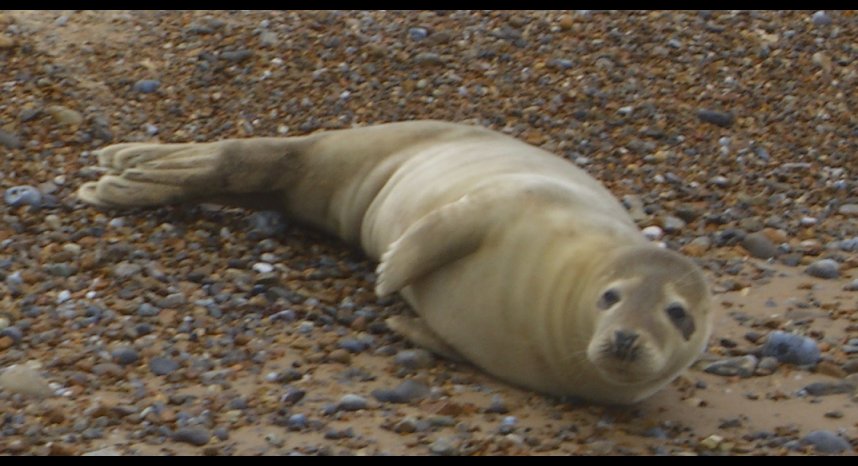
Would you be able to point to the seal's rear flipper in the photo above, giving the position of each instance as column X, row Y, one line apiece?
column 415, row 330
column 441, row 237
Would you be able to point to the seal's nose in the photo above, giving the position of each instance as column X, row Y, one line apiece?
column 624, row 344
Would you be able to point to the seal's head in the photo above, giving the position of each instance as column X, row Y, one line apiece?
column 652, row 316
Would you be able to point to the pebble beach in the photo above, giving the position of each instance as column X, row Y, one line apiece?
column 730, row 136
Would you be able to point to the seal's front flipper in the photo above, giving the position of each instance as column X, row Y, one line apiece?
column 441, row 237
column 415, row 330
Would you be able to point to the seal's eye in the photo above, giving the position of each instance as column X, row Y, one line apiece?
column 680, row 318
column 608, row 299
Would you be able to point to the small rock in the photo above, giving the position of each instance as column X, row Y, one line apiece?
column 13, row 333
column 767, row 366
column 193, row 435
column 826, row 442
column 743, row 366
column 23, row 379
column 829, row 388
column 64, row 115
column 759, row 245
column 23, row 195
column 672, row 224
column 406, row 392
column 848, row 210
column 851, row 286
column 125, row 270
column 352, row 345
column 267, row 39
column 497, row 405
column 125, row 355
column 428, row 58
column 821, row 18
column 292, row 396
column 297, row 422
column 237, row 56
column 824, row 268
column 109, row 451
column 9, row 140
column 442, row 447
column 414, row 359
column 352, row 402
column 652, row 233
column 146, row 86
column 417, row 33
column 162, row 366
column 721, row 119
column 791, row 348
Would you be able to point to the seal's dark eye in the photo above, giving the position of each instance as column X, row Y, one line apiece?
column 681, row 320
column 608, row 299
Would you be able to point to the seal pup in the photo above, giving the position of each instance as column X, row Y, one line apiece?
column 512, row 258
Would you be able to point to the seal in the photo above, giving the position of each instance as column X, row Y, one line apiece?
column 511, row 257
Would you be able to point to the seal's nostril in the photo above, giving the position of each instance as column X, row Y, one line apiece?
column 625, row 337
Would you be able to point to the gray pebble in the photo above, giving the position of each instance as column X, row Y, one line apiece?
column 406, row 392
column 824, row 268
column 351, row 402
column 173, row 300
column 849, row 245
column 267, row 223
column 125, row 270
column 147, row 310
column 9, row 140
column 125, row 355
column 791, row 348
column 821, row 18
column 760, row 246
column 560, row 63
column 829, row 388
column 267, row 39
column 851, row 286
column 767, row 365
column 497, row 405
column 848, row 210
column 414, row 359
column 672, row 224
column 297, row 422
column 442, row 447
column 826, row 442
column 22, row 195
column 742, row 366
column 236, row 56
column 352, row 345
column 428, row 58
column 12, row 332
column 722, row 119
column 162, row 366
column 193, row 435
column 222, row 433
column 418, row 33
column 146, row 86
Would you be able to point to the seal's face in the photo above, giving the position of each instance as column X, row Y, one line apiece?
column 652, row 309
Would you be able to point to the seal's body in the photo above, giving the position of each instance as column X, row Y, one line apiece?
column 513, row 258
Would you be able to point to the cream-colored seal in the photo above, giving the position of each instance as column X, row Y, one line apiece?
column 512, row 258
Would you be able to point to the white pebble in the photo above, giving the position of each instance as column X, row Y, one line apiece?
column 807, row 221
column 91, row 294
column 63, row 296
column 117, row 222
column 263, row 267
column 653, row 233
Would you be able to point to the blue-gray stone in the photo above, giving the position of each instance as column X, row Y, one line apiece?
column 414, row 359
column 12, row 332
column 162, row 366
column 791, row 348
column 418, row 33
column 193, row 435
column 406, row 392
column 824, row 268
column 826, row 442
column 821, row 18
column 147, row 86
column 352, row 345
column 351, row 402
column 9, row 140
column 297, row 421
column 125, row 355
column 23, row 195
column 722, row 119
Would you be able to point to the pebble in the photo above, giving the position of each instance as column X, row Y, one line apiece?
column 13, row 333
column 64, row 115
column 352, row 402
column 759, row 245
column 23, row 195
column 9, row 140
column 292, row 396
column 821, row 18
column 824, row 268
column 125, row 270
column 826, row 442
column 263, row 267
column 353, row 345
column 108, row 451
column 850, row 210
column 297, row 422
column 196, row 436
column 236, row 56
column 406, row 392
column 146, row 86
column 125, row 355
column 791, row 348
column 162, row 366
column 743, row 366
column 442, row 447
column 851, row 286
column 23, row 379
column 417, row 33
column 497, row 405
column 829, row 388
column 722, row 119
column 414, row 359
column 652, row 233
